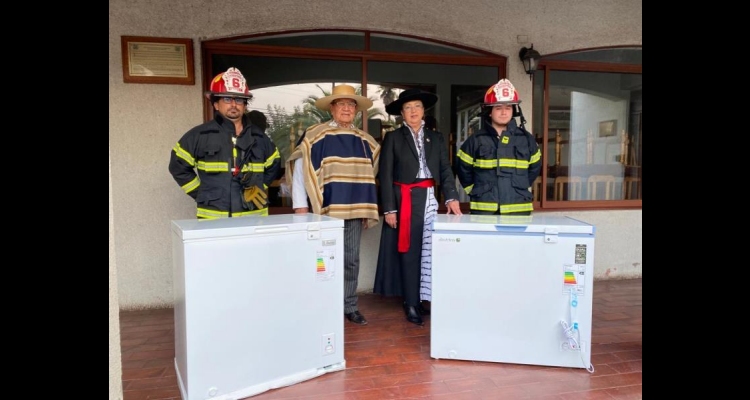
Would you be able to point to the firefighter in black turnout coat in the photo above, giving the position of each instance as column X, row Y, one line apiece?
column 498, row 164
column 226, row 164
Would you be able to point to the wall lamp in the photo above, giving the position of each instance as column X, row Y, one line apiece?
column 530, row 58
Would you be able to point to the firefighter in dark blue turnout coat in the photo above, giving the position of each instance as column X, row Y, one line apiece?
column 226, row 164
column 498, row 164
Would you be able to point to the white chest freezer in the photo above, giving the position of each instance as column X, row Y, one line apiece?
column 258, row 303
column 512, row 289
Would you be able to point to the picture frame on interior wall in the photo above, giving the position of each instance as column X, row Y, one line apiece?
column 608, row 128
column 158, row 60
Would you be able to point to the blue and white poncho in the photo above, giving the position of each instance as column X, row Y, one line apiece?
column 339, row 168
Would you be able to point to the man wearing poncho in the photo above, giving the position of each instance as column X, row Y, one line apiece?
column 332, row 171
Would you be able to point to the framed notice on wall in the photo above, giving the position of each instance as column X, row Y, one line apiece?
column 157, row 60
column 608, row 128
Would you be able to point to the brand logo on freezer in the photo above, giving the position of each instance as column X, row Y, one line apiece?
column 452, row 240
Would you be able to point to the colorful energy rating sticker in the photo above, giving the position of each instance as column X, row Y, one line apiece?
column 574, row 278
column 321, row 265
column 325, row 265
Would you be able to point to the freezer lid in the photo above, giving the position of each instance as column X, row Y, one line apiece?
column 252, row 225
column 526, row 223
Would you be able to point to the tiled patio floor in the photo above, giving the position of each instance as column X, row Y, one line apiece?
column 390, row 359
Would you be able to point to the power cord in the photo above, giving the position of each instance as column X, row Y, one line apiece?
column 572, row 333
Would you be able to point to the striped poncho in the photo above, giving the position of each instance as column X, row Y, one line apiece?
column 339, row 167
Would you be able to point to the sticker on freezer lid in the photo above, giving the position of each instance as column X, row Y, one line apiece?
column 580, row 254
column 574, row 278
column 325, row 265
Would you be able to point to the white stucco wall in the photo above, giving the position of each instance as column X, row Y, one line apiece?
column 115, row 364
column 146, row 119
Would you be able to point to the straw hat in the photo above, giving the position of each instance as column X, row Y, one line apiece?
column 343, row 92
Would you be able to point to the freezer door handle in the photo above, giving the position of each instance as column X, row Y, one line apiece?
column 313, row 231
column 550, row 234
column 510, row 228
column 272, row 229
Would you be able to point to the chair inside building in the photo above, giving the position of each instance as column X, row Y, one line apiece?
column 595, row 182
column 568, row 188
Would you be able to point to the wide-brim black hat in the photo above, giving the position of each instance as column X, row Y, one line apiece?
column 428, row 100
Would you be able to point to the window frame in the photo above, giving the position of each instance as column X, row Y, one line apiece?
column 225, row 46
column 228, row 46
column 546, row 66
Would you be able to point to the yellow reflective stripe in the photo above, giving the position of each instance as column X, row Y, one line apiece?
column 269, row 160
column 213, row 166
column 502, row 162
column 513, row 163
column 192, row 185
column 465, row 157
column 180, row 152
column 252, row 167
column 536, row 157
column 468, row 188
column 483, row 218
column 261, row 212
column 211, row 214
column 520, row 207
column 265, row 187
column 507, row 208
column 488, row 164
column 515, row 219
column 479, row 206
column 260, row 167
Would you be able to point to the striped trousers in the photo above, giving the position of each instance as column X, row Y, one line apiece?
column 352, row 239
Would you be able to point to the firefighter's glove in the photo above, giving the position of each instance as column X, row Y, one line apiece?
column 254, row 198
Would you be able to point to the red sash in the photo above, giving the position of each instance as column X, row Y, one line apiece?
column 404, row 227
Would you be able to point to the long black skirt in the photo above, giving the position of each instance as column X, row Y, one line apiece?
column 389, row 275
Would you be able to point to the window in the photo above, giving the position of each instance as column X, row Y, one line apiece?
column 590, row 129
column 286, row 72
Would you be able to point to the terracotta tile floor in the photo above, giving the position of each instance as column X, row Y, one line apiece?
column 390, row 359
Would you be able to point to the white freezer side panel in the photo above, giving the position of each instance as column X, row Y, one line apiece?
column 255, row 310
column 500, row 296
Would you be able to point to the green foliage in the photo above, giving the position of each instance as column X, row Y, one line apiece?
column 283, row 128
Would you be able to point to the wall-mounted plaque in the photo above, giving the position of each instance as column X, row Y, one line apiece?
column 157, row 60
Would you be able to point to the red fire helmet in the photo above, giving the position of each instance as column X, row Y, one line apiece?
column 502, row 92
column 229, row 84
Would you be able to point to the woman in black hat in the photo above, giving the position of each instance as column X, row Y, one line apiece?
column 413, row 159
